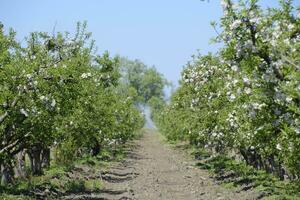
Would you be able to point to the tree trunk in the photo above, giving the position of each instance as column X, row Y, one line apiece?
column 7, row 173
column 35, row 160
column 20, row 164
column 244, row 155
column 271, row 165
column 96, row 149
column 280, row 171
column 46, row 158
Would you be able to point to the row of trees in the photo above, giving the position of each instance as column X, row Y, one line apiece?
column 56, row 93
column 245, row 98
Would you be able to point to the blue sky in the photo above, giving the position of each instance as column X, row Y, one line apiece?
column 164, row 33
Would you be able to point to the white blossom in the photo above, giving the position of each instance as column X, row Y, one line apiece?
column 236, row 24
column 234, row 68
column 252, row 113
column 224, row 4
column 255, row 20
column 286, row 41
column 278, row 146
column 258, row 106
column 289, row 99
column 248, row 90
column 235, row 81
column 24, row 112
column 297, row 130
column 53, row 103
column 246, row 80
column 232, row 97
column 43, row 98
column 290, row 27
column 86, row 75
column 235, row 6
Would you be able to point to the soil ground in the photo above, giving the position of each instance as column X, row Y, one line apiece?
column 155, row 170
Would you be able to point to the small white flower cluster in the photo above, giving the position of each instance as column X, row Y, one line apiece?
column 50, row 101
column 194, row 102
column 216, row 133
column 232, row 120
column 231, row 97
column 24, row 112
column 225, row 6
column 86, row 75
column 247, row 90
column 235, row 68
column 236, row 24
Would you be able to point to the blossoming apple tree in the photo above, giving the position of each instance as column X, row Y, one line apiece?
column 246, row 97
column 57, row 93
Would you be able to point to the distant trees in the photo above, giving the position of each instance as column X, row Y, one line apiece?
column 145, row 81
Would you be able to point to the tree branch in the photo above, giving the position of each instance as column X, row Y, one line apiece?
column 12, row 145
column 2, row 117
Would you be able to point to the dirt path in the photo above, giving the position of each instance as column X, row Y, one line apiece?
column 153, row 170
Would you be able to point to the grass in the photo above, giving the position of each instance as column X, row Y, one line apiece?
column 139, row 134
column 78, row 177
column 57, row 180
column 93, row 185
column 14, row 197
column 233, row 174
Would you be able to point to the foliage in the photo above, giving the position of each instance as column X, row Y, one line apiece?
column 142, row 81
column 245, row 98
column 57, row 93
